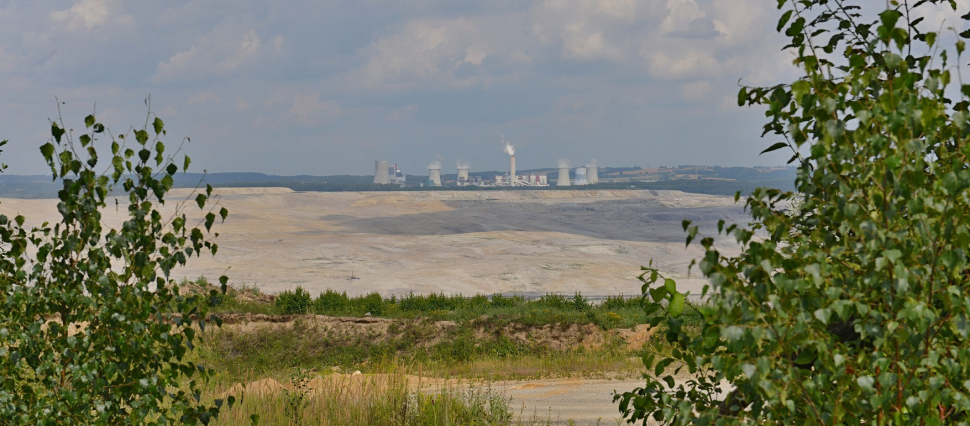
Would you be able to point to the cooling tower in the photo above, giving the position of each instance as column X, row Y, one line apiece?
column 462, row 174
column 380, row 173
column 563, row 179
column 592, row 174
column 434, row 175
column 580, row 176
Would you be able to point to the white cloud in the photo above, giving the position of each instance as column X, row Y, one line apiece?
column 204, row 97
column 697, row 90
column 585, row 29
column 401, row 114
column 426, row 50
column 680, row 14
column 309, row 109
column 213, row 56
column 91, row 15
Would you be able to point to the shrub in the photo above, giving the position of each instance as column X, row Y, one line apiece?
column 500, row 301
column 294, row 302
column 93, row 329
column 331, row 303
column 855, row 308
column 374, row 304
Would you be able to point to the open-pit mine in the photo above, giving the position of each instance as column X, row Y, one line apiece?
column 468, row 242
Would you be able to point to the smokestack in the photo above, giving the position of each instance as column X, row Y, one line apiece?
column 592, row 173
column 380, row 173
column 512, row 172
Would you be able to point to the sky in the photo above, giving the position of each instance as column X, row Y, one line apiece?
column 325, row 87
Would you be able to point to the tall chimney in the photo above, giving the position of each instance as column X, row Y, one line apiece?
column 592, row 172
column 380, row 173
column 512, row 172
column 563, row 179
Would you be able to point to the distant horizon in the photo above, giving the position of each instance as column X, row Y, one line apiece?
column 472, row 170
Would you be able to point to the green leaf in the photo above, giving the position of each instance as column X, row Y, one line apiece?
column 200, row 199
column 775, row 147
column 806, row 357
column 47, row 150
column 889, row 17
column 223, row 212
column 784, row 20
column 210, row 218
column 89, row 121
column 742, row 96
column 185, row 163
column 676, row 305
column 158, row 125
column 57, row 132
column 670, row 285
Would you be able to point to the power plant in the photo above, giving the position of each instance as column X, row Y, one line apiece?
column 584, row 175
column 385, row 174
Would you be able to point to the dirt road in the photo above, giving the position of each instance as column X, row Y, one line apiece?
column 559, row 401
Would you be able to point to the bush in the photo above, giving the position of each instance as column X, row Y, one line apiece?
column 852, row 304
column 93, row 330
column 500, row 301
column 294, row 302
column 331, row 303
column 374, row 304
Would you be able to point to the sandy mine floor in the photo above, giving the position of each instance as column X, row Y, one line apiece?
column 530, row 242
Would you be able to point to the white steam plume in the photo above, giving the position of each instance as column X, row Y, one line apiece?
column 591, row 163
column 435, row 165
column 507, row 146
column 563, row 163
column 462, row 165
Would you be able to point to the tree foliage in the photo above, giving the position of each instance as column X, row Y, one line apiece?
column 93, row 330
column 856, row 308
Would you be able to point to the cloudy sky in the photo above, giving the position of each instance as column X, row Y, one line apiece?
column 327, row 86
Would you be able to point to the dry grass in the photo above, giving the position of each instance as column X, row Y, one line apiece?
column 339, row 399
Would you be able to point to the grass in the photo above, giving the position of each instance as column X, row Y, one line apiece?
column 613, row 312
column 310, row 399
column 453, row 338
column 496, row 338
column 476, row 349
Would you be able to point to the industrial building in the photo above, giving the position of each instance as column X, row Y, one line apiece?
column 385, row 174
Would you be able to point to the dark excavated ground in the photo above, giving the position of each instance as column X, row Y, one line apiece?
column 625, row 220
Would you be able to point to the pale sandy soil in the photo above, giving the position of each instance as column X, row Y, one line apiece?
column 530, row 242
